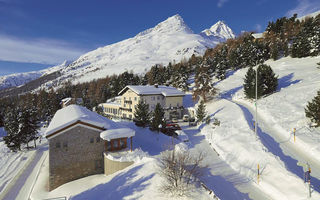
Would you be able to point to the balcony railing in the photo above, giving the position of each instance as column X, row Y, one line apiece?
column 126, row 109
column 174, row 108
column 128, row 101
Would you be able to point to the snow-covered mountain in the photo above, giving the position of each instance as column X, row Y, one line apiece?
column 169, row 41
column 218, row 32
column 17, row 79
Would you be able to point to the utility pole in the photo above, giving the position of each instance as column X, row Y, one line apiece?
column 256, row 118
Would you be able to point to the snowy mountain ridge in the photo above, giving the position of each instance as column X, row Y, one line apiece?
column 17, row 79
column 219, row 31
column 169, row 41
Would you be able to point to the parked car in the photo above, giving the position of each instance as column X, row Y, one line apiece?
column 182, row 136
column 185, row 118
column 173, row 126
column 174, row 120
column 192, row 122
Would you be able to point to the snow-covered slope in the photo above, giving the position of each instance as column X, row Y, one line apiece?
column 18, row 79
column 169, row 41
column 218, row 32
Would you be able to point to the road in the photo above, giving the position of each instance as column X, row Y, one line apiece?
column 21, row 188
column 219, row 176
column 279, row 144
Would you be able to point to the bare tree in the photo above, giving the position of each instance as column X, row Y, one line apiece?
column 180, row 172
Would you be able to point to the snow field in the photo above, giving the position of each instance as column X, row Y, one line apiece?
column 237, row 144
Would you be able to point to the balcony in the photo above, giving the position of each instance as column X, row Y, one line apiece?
column 174, row 108
column 126, row 109
column 127, row 101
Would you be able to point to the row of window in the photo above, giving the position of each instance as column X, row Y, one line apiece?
column 112, row 111
column 135, row 98
column 65, row 143
column 116, row 144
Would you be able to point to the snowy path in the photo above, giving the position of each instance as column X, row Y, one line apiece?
column 220, row 177
column 24, row 183
column 282, row 147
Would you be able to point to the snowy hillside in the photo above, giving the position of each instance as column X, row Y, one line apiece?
column 219, row 32
column 274, row 147
column 169, row 41
column 18, row 79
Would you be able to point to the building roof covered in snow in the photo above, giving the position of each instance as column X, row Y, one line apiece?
column 74, row 114
column 257, row 35
column 153, row 90
column 117, row 133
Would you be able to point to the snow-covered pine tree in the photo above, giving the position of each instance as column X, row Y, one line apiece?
column 157, row 117
column 28, row 125
column 267, row 81
column 142, row 114
column 11, row 126
column 201, row 111
column 249, row 83
column 301, row 46
column 203, row 86
column 312, row 109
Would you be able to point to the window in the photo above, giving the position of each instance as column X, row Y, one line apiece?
column 177, row 104
column 135, row 98
column 162, row 97
column 57, row 144
column 152, row 98
column 65, row 144
column 124, row 98
column 98, row 164
column 108, row 146
column 98, row 139
column 130, row 116
column 158, row 97
column 129, row 98
column 152, row 106
column 124, row 115
column 115, row 144
column 91, row 140
column 123, row 143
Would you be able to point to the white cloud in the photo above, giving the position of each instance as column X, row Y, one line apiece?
column 258, row 28
column 45, row 51
column 305, row 7
column 221, row 2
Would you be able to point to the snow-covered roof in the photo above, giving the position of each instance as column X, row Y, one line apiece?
column 150, row 89
column 257, row 35
column 75, row 113
column 117, row 133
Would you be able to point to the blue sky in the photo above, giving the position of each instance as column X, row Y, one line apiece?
column 47, row 32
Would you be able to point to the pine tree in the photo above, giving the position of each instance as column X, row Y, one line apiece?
column 157, row 117
column 249, row 83
column 201, row 111
column 267, row 81
column 203, row 86
column 28, row 125
column 312, row 110
column 11, row 125
column 142, row 114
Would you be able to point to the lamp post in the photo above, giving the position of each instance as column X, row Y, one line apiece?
column 256, row 118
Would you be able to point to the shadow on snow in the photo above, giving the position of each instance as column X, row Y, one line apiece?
column 286, row 81
column 274, row 148
column 118, row 187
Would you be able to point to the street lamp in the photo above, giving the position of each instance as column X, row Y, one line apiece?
column 256, row 118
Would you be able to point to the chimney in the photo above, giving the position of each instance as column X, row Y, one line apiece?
column 156, row 85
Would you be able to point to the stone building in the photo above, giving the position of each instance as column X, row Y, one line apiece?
column 75, row 147
column 170, row 98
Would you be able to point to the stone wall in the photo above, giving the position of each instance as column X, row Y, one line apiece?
column 76, row 153
column 111, row 166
